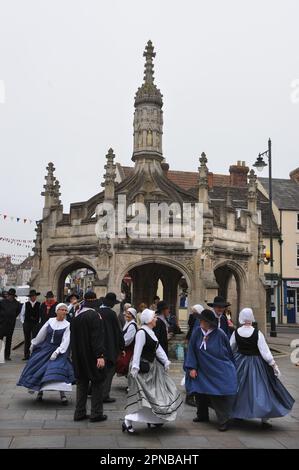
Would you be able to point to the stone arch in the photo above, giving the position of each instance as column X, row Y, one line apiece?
column 65, row 268
column 232, row 281
column 168, row 271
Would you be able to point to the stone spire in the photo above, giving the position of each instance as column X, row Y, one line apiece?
column 49, row 190
column 203, row 186
column 57, row 193
column 252, row 192
column 109, row 176
column 148, row 116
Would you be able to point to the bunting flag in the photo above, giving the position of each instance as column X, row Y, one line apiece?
column 25, row 220
column 13, row 256
column 17, row 241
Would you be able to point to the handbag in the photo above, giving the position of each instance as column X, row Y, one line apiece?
column 144, row 367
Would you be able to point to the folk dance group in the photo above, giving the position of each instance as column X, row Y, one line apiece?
column 233, row 372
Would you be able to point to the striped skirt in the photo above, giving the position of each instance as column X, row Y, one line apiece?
column 153, row 397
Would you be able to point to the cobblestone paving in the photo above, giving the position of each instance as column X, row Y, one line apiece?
column 24, row 423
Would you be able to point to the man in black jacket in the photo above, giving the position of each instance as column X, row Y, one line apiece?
column 10, row 309
column 30, row 316
column 47, row 308
column 161, row 328
column 88, row 356
column 114, row 341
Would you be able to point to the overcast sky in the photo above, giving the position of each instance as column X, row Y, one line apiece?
column 70, row 69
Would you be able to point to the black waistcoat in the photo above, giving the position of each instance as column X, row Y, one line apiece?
column 150, row 347
column 32, row 313
column 248, row 346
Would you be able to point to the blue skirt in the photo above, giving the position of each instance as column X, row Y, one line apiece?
column 260, row 393
column 40, row 370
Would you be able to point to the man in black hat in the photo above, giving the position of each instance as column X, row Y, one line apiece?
column 73, row 305
column 161, row 328
column 30, row 316
column 47, row 308
column 218, row 307
column 88, row 357
column 114, row 341
column 10, row 309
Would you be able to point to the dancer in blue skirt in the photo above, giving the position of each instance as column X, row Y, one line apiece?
column 49, row 366
column 260, row 393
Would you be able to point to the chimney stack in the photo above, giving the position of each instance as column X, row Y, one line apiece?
column 238, row 174
column 294, row 175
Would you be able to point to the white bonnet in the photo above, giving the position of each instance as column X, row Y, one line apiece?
column 197, row 308
column 147, row 316
column 132, row 311
column 246, row 316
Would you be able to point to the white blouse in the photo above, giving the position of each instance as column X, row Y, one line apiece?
column 131, row 332
column 246, row 332
column 140, row 340
column 55, row 325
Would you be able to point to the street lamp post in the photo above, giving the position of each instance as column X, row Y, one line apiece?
column 260, row 164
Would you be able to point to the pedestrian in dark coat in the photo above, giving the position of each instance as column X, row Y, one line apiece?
column 114, row 341
column 30, row 317
column 10, row 309
column 47, row 308
column 88, row 356
column 161, row 328
column 219, row 306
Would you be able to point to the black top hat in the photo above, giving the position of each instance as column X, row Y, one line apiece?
column 89, row 295
column 161, row 306
column 219, row 302
column 50, row 295
column 111, row 298
column 68, row 299
column 209, row 317
column 33, row 292
column 12, row 292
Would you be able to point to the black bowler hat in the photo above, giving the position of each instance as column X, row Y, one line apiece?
column 90, row 295
column 111, row 298
column 161, row 306
column 49, row 295
column 209, row 317
column 33, row 292
column 12, row 292
column 219, row 302
column 68, row 299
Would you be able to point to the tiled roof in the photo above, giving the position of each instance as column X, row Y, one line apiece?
column 187, row 179
column 285, row 193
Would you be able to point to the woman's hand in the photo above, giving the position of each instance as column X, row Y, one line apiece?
column 101, row 363
column 193, row 374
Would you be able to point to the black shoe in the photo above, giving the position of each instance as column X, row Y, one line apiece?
column 81, row 418
column 98, row 418
column 190, row 400
column 109, row 400
column 200, row 420
column 128, row 429
column 223, row 427
column 64, row 401
column 266, row 425
column 25, row 359
column 39, row 396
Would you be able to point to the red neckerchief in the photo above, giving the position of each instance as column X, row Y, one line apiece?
column 49, row 304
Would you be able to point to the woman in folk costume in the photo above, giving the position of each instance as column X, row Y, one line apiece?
column 49, row 366
column 129, row 332
column 210, row 364
column 153, row 397
column 260, row 393
column 192, row 322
